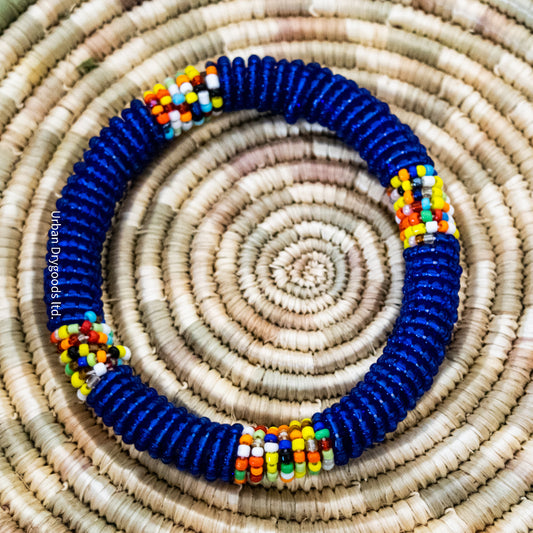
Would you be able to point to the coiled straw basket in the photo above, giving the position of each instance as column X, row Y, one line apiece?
column 255, row 271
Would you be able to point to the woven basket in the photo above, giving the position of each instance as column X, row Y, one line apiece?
column 254, row 268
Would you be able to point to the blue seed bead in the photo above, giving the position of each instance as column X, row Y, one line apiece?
column 326, row 85
column 192, row 447
column 178, row 431
column 348, row 430
column 316, row 87
column 265, row 89
column 212, row 461
column 279, row 78
column 163, row 429
column 228, row 453
column 147, row 428
column 363, row 434
column 224, row 76
column 238, row 69
column 297, row 99
column 251, row 82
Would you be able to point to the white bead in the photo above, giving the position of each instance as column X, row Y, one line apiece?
column 203, row 97
column 185, row 87
column 243, row 450
column 127, row 355
column 106, row 329
column 257, row 451
column 394, row 195
column 186, row 126
column 174, row 115
column 173, row 89
column 412, row 241
column 248, row 430
column 212, row 81
column 451, row 211
column 271, row 447
column 407, row 210
column 428, row 181
column 283, row 475
column 328, row 464
column 82, row 397
column 432, row 226
column 451, row 227
column 397, row 220
column 100, row 369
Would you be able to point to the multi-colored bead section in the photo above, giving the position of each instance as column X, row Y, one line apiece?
column 88, row 353
column 286, row 451
column 421, row 206
column 187, row 100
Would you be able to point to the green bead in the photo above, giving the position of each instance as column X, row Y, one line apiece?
column 327, row 454
column 272, row 476
column 322, row 434
column 91, row 359
column 426, row 215
column 68, row 370
column 287, row 468
column 259, row 434
column 169, row 81
column 73, row 328
column 240, row 474
column 300, row 467
column 313, row 473
column 98, row 327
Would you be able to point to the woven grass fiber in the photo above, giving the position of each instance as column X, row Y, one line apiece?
column 254, row 268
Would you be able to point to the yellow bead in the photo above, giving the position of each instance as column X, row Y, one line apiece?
column 271, row 468
column 398, row 204
column 438, row 182
column 121, row 350
column 159, row 87
column 146, row 93
column 435, row 191
column 84, row 350
column 271, row 458
column 406, row 244
column 191, row 72
column 408, row 232
column 62, row 332
column 437, row 203
column 191, row 97
column 295, row 423
column 65, row 358
column 165, row 100
column 299, row 474
column 456, row 234
column 298, row 444
column 395, row 182
column 421, row 170
column 308, row 432
column 419, row 229
column 406, row 186
column 217, row 102
column 76, row 381
column 84, row 389
column 315, row 467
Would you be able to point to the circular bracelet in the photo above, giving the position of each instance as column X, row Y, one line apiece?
column 413, row 351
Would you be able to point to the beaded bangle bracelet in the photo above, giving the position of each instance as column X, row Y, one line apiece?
column 413, row 351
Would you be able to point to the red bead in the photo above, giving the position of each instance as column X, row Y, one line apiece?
column 262, row 428
column 437, row 215
column 85, row 327
column 256, row 479
column 325, row 444
column 73, row 340
column 93, row 337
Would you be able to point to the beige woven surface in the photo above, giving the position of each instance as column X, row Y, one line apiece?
column 254, row 268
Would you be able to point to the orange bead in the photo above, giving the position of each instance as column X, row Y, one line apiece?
column 414, row 219
column 400, row 214
column 295, row 434
column 239, row 481
column 257, row 471
column 313, row 457
column 163, row 118
column 256, row 461
column 404, row 224
column 157, row 109
column 402, row 235
column 182, row 79
column 148, row 95
column 241, row 463
column 283, row 428
column 446, row 207
column 246, row 439
column 443, row 226
column 161, row 93
column 299, row 457
column 101, row 356
column 102, row 338
column 211, row 69
column 273, row 430
column 408, row 197
column 185, row 117
column 403, row 174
